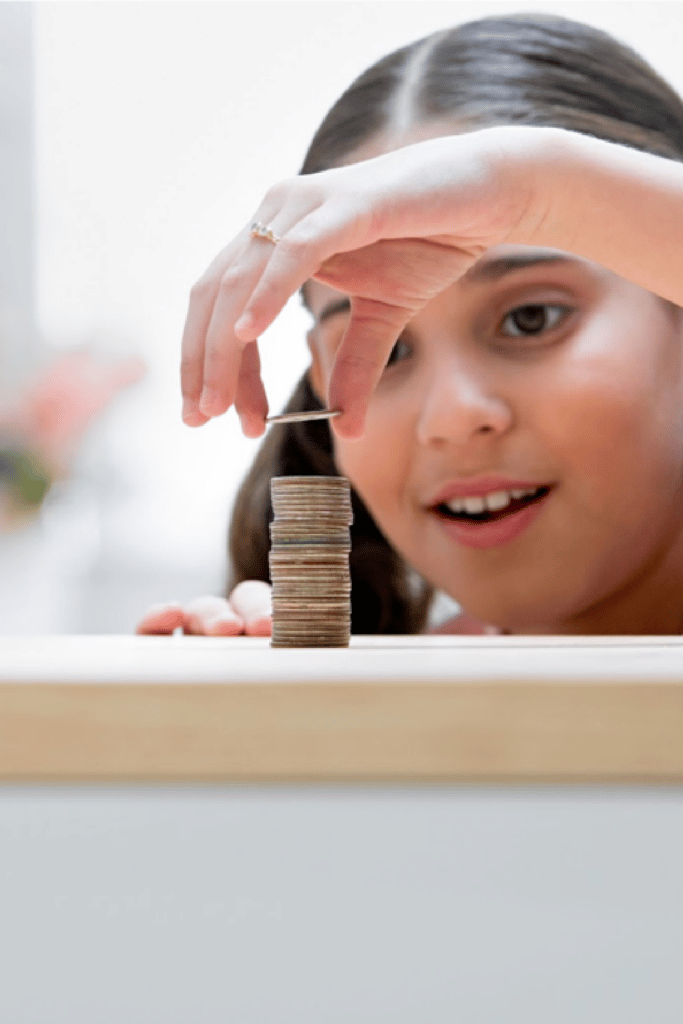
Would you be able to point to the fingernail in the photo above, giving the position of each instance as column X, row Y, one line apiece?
column 224, row 626
column 244, row 324
column 261, row 626
column 189, row 408
column 207, row 399
column 351, row 427
column 251, row 425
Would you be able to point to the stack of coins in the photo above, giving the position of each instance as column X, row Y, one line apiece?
column 309, row 561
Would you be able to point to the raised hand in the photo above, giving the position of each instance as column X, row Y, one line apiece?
column 391, row 232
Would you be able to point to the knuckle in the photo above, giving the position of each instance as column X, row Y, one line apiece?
column 297, row 242
column 217, row 362
column 202, row 289
column 280, row 191
column 190, row 370
column 381, row 315
column 359, row 362
column 191, row 387
column 231, row 278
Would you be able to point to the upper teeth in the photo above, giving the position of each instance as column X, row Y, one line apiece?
column 487, row 502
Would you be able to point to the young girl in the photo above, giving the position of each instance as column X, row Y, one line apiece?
column 487, row 232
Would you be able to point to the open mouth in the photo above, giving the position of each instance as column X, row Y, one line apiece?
column 480, row 510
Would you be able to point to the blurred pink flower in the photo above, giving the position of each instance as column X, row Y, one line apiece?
column 54, row 413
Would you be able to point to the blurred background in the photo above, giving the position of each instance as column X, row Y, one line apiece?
column 137, row 138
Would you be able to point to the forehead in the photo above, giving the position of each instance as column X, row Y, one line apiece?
column 497, row 263
column 319, row 296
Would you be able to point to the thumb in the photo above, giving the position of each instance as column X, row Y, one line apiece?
column 370, row 335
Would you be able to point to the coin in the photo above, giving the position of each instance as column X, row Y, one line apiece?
column 309, row 561
column 300, row 417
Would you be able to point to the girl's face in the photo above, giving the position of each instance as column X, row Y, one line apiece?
column 524, row 448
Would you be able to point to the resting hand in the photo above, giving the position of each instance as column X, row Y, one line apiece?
column 248, row 612
column 391, row 232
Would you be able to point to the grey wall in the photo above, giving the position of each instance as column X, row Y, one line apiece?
column 239, row 905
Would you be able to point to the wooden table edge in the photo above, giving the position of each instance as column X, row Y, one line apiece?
column 493, row 731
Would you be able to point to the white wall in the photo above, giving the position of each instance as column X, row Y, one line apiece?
column 17, row 206
column 159, row 127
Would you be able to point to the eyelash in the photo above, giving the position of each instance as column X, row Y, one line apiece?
column 391, row 360
column 545, row 306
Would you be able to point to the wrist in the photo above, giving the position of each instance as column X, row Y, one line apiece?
column 545, row 167
column 610, row 203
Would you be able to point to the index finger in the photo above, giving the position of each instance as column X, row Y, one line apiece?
column 298, row 255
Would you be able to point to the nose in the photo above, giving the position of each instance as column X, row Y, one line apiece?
column 460, row 403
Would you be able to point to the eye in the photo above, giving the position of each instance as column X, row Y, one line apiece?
column 534, row 319
column 399, row 352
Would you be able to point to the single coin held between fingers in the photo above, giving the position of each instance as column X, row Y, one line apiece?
column 302, row 417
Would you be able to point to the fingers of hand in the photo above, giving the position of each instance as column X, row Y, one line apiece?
column 251, row 600
column 161, row 620
column 240, row 296
column 360, row 360
column 390, row 281
column 226, row 371
column 302, row 247
column 250, row 400
column 212, row 616
column 223, row 350
column 211, row 353
column 202, row 300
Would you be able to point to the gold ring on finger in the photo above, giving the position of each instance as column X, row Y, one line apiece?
column 259, row 230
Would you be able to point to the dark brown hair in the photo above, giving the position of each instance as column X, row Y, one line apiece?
column 534, row 69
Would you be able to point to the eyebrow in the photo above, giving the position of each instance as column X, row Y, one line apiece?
column 493, row 270
column 479, row 273
column 335, row 307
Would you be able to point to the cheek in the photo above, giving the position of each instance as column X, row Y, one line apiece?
column 615, row 410
column 377, row 465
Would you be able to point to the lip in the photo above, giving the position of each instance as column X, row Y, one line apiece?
column 500, row 531
column 477, row 487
